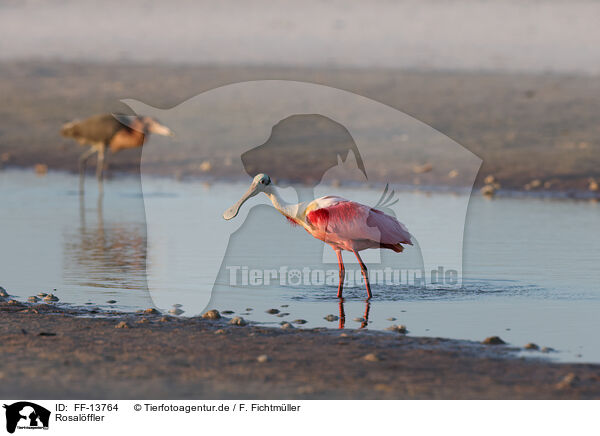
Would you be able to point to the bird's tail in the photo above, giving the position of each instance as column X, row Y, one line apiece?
column 386, row 200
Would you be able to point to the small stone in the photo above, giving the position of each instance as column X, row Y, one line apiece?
column 249, row 309
column 164, row 319
column 33, row 299
column 151, row 311
column 175, row 311
column 40, row 169
column 205, row 166
column 488, row 190
column 50, row 297
column 489, row 179
column 111, row 301
column 12, row 302
column 287, row 325
column 398, row 328
column 42, row 294
column 142, row 321
column 273, row 311
column 331, row 318
column 212, row 314
column 238, row 320
column 299, row 321
column 284, row 305
column 122, row 325
column 391, row 319
column 568, row 381
column 371, row 357
column 359, row 319
column 547, row 350
column 3, row 292
column 282, row 314
column 219, row 332
column 531, row 346
column 263, row 358
column 493, row 340
column 227, row 312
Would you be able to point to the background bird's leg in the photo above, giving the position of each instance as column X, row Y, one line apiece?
column 100, row 166
column 342, row 273
column 365, row 274
column 106, row 162
column 82, row 162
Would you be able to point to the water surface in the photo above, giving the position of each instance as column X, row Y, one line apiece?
column 530, row 265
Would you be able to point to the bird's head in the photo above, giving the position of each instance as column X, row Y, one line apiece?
column 151, row 125
column 260, row 183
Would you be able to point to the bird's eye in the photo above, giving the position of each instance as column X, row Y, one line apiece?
column 262, row 181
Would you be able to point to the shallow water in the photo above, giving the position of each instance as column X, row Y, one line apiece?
column 529, row 265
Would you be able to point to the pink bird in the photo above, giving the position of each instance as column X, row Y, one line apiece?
column 343, row 224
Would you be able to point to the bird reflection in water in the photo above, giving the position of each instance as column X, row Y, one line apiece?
column 342, row 318
column 105, row 254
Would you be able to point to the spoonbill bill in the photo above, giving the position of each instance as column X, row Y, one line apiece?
column 110, row 131
column 343, row 224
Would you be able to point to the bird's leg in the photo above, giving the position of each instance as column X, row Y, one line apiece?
column 100, row 168
column 365, row 274
column 342, row 273
column 82, row 161
column 366, row 316
column 342, row 313
column 106, row 159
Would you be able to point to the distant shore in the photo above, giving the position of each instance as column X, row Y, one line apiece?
column 535, row 133
column 61, row 352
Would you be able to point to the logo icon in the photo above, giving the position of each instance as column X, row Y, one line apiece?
column 26, row 415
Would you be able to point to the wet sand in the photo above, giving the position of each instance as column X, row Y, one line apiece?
column 66, row 353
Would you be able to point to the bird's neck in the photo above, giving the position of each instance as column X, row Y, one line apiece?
column 288, row 209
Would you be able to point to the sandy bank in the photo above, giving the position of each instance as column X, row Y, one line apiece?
column 52, row 352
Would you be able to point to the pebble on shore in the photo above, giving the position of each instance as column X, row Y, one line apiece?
column 273, row 311
column 227, row 312
column 3, row 292
column 286, row 325
column 50, row 297
column 238, row 320
column 111, row 301
column 531, row 346
column 568, row 381
column 299, row 321
column 493, row 340
column 331, row 318
column 371, row 357
column 33, row 299
column 263, row 358
column 151, row 311
column 211, row 314
column 175, row 311
column 398, row 328
column 122, row 325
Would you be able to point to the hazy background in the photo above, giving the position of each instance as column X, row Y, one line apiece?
column 514, row 82
column 533, row 36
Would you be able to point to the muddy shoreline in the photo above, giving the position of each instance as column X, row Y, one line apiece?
column 69, row 353
column 534, row 132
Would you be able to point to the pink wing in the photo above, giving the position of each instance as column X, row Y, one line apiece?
column 356, row 225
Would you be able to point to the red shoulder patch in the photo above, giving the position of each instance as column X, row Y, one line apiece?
column 318, row 217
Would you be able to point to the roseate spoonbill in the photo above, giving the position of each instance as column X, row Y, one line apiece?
column 343, row 224
column 110, row 131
